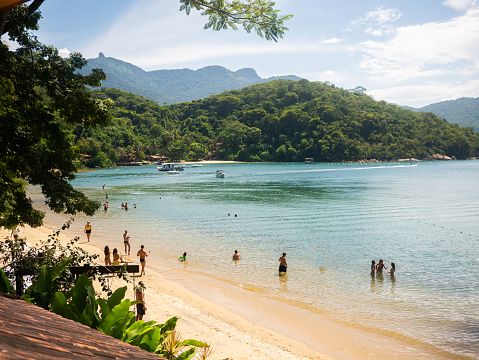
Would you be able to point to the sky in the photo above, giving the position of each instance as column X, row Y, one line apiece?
column 407, row 52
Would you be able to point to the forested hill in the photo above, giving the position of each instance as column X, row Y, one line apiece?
column 276, row 121
column 174, row 86
column 463, row 111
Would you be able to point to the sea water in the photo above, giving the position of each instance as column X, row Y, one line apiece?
column 332, row 220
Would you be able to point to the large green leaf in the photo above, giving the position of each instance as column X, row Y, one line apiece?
column 117, row 313
column 116, row 297
column 118, row 328
column 59, row 304
column 169, row 325
column 105, row 309
column 187, row 355
column 5, row 285
column 80, row 293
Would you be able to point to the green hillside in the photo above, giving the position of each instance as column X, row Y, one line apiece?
column 463, row 111
column 174, row 86
column 276, row 121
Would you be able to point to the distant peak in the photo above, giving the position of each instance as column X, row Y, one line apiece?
column 101, row 55
column 247, row 72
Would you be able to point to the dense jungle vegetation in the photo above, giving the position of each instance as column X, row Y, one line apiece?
column 277, row 121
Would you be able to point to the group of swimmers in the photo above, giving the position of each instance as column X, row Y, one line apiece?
column 125, row 206
column 378, row 268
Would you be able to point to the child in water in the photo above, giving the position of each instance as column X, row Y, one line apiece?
column 373, row 267
column 182, row 258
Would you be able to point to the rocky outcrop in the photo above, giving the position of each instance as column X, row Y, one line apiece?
column 440, row 157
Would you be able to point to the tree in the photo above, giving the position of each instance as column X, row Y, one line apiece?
column 38, row 88
column 40, row 92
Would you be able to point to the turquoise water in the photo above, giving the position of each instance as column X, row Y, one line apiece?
column 332, row 220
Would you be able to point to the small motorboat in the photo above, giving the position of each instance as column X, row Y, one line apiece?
column 220, row 174
column 173, row 172
column 197, row 165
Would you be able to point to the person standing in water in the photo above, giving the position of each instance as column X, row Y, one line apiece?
column 140, row 296
column 393, row 269
column 126, row 242
column 142, row 254
column 283, row 266
column 373, row 268
column 380, row 267
column 236, row 255
column 88, row 230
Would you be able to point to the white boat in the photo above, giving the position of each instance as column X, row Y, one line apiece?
column 197, row 165
column 172, row 172
column 170, row 166
column 220, row 174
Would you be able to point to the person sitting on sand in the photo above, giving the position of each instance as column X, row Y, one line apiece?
column 116, row 257
column 373, row 267
column 142, row 254
column 283, row 266
column 126, row 242
column 107, row 255
column 236, row 255
column 140, row 296
column 380, row 267
column 393, row 269
column 182, row 258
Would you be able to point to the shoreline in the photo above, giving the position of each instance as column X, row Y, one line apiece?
column 243, row 324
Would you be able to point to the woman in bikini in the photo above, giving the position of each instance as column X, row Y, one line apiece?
column 373, row 267
column 116, row 257
column 107, row 255
column 380, row 266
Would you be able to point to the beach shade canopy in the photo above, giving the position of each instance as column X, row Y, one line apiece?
column 31, row 332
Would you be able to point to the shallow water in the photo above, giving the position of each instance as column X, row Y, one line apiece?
column 332, row 220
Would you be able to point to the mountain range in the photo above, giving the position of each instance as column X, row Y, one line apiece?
column 184, row 85
column 174, row 86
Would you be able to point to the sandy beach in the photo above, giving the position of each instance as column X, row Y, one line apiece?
column 242, row 324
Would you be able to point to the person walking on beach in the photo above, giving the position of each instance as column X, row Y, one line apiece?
column 373, row 268
column 107, row 255
column 283, row 266
column 380, row 267
column 140, row 296
column 126, row 242
column 88, row 230
column 236, row 255
column 15, row 232
column 142, row 254
column 182, row 258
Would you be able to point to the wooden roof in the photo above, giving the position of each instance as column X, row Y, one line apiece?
column 30, row 332
column 10, row 4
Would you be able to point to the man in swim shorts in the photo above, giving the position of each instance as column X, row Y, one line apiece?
column 283, row 266
column 126, row 242
column 140, row 296
column 142, row 254
column 88, row 230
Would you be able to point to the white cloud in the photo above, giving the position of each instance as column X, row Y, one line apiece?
column 460, row 5
column 333, row 41
column 64, row 53
column 425, row 94
column 431, row 49
column 378, row 22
